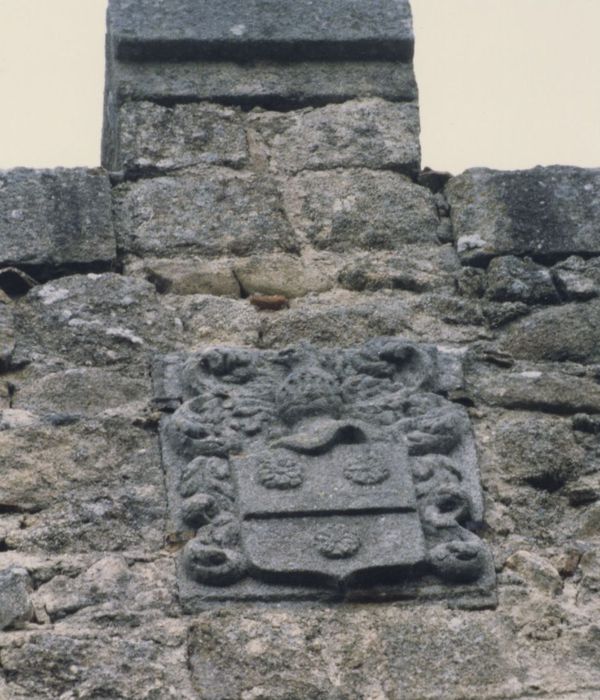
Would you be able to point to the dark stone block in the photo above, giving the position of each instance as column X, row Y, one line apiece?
column 544, row 212
column 253, row 29
column 15, row 605
column 311, row 474
column 55, row 218
column 566, row 333
column 513, row 279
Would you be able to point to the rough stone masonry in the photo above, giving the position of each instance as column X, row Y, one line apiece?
column 282, row 415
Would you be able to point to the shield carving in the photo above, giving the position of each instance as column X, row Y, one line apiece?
column 321, row 474
column 332, row 519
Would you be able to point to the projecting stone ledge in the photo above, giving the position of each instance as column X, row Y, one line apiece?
column 546, row 212
column 253, row 29
column 55, row 218
column 266, row 83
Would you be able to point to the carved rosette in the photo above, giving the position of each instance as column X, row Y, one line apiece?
column 311, row 469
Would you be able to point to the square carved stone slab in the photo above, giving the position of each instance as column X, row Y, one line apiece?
column 321, row 474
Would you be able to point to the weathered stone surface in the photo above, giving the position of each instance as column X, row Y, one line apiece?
column 5, row 395
column 369, row 133
column 78, row 391
column 346, row 318
column 512, row 279
column 42, row 568
column 587, row 424
column 315, row 654
column 378, row 652
column 189, row 275
column 145, row 662
column 538, row 450
column 7, row 334
column 327, row 321
column 342, row 210
column 12, row 418
column 498, row 314
column 589, row 523
column 93, row 319
column 87, row 486
column 209, row 320
column 471, row 282
column 287, row 275
column 545, row 212
column 248, row 29
column 542, row 387
column 536, row 570
column 351, row 459
column 110, row 587
column 158, row 139
column 15, row 604
column 584, row 490
column 416, row 268
column 528, row 462
column 55, row 217
column 577, row 279
column 207, row 211
column 563, row 333
column 460, row 312
column 588, row 267
column 589, row 565
column 574, row 286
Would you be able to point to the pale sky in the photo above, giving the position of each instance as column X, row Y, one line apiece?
column 503, row 83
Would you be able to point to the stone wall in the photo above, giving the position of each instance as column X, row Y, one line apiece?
column 263, row 188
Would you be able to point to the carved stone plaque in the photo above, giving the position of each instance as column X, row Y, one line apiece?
column 321, row 474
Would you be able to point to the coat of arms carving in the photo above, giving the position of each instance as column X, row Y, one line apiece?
column 321, row 474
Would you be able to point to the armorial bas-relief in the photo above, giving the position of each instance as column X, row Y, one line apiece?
column 321, row 474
